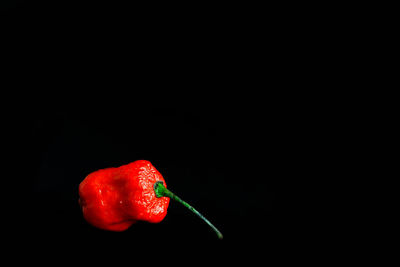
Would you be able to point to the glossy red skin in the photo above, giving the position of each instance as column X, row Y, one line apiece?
column 115, row 198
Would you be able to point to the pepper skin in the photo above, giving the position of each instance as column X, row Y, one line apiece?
column 115, row 198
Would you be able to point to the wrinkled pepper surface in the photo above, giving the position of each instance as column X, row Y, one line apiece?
column 115, row 198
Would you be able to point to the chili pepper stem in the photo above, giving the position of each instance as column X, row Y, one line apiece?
column 161, row 191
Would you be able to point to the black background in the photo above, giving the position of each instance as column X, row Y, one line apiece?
column 205, row 100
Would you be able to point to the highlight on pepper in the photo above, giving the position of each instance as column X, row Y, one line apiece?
column 115, row 198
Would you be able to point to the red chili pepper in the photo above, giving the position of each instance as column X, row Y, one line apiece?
column 115, row 198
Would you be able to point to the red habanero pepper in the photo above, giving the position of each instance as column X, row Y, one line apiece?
column 115, row 198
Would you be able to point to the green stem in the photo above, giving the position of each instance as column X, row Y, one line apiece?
column 161, row 191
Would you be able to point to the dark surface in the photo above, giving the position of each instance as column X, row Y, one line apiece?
column 84, row 97
column 220, row 161
column 216, row 161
